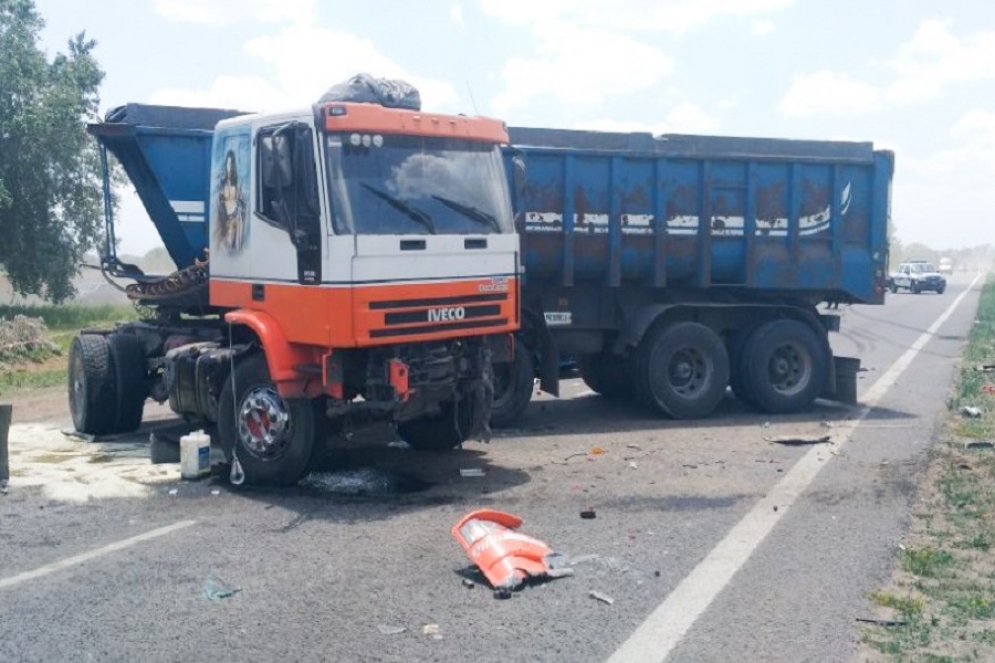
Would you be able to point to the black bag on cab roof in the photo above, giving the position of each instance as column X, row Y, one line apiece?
column 363, row 88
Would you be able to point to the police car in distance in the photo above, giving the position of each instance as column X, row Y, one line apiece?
column 917, row 276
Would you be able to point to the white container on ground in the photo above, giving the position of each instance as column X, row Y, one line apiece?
column 195, row 455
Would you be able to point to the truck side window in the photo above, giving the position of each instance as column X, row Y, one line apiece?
column 275, row 178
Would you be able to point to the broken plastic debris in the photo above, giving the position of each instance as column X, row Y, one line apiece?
column 797, row 440
column 469, row 584
column 979, row 444
column 388, row 629
column 598, row 596
column 588, row 514
column 471, row 472
column 971, row 411
column 398, row 444
column 506, row 558
column 173, row 491
column 432, row 630
column 597, row 451
column 215, row 492
column 216, row 589
column 632, row 465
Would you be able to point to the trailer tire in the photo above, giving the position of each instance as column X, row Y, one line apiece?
column 606, row 375
column 91, row 385
column 786, row 365
column 446, row 430
column 275, row 438
column 128, row 361
column 513, row 385
column 737, row 365
column 682, row 370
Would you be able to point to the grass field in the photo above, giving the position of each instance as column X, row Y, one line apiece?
column 942, row 591
column 48, row 368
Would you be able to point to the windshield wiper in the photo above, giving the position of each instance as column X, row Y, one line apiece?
column 398, row 204
column 471, row 212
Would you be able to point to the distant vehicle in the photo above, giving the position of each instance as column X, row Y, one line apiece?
column 917, row 276
column 946, row 266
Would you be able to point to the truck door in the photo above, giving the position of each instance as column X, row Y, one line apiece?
column 288, row 194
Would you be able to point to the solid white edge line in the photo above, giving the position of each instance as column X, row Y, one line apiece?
column 48, row 569
column 659, row 634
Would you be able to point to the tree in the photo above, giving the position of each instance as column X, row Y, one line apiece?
column 50, row 183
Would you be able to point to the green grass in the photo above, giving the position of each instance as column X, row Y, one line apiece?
column 63, row 323
column 72, row 317
column 945, row 587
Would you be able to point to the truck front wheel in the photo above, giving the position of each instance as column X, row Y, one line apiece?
column 513, row 384
column 682, row 370
column 446, row 430
column 273, row 437
column 784, row 365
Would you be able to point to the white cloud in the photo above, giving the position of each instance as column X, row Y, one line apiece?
column 829, row 93
column 675, row 16
column 214, row 12
column 976, row 125
column 762, row 26
column 935, row 58
column 456, row 15
column 684, row 118
column 288, row 84
column 567, row 67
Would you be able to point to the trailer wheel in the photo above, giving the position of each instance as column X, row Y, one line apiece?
column 682, row 370
column 737, row 365
column 445, row 431
column 91, row 385
column 786, row 364
column 274, row 437
column 128, row 360
column 513, row 385
column 606, row 375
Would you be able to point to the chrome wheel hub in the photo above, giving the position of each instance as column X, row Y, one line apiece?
column 263, row 423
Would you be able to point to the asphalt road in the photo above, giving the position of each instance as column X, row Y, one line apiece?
column 331, row 571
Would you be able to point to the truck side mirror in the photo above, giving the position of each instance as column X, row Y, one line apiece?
column 276, row 164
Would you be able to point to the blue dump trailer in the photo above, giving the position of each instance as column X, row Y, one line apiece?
column 672, row 267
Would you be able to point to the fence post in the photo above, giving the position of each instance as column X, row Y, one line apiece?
column 6, row 412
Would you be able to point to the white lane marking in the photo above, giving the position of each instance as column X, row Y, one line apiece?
column 42, row 571
column 656, row 637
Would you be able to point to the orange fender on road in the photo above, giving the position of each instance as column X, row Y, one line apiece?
column 505, row 557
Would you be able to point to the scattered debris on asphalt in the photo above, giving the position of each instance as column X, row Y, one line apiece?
column 971, row 411
column 632, row 445
column 597, row 451
column 882, row 622
column 399, row 444
column 979, row 444
column 389, row 629
column 216, row 492
column 799, row 440
column 502, row 593
column 598, row 596
column 174, row 492
column 82, row 437
column 216, row 589
column 471, row 472
column 589, row 513
column 469, row 584
column 432, row 630
column 508, row 559
column 632, row 465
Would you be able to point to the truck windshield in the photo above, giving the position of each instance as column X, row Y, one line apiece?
column 922, row 267
column 404, row 185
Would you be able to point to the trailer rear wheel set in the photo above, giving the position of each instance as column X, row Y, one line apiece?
column 107, row 387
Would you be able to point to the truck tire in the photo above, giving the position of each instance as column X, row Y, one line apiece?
column 92, row 396
column 785, row 364
column 737, row 364
column 606, row 375
column 447, row 430
column 682, row 370
column 275, row 437
column 128, row 360
column 513, row 385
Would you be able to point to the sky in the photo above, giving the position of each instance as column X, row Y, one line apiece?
column 913, row 76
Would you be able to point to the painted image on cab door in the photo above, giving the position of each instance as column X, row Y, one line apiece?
column 229, row 221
